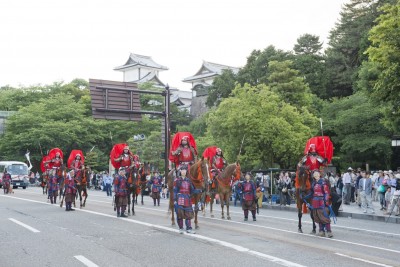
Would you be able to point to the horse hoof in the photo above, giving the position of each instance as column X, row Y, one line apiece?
column 222, row 217
column 229, row 218
column 313, row 232
column 212, row 216
column 196, row 227
column 300, row 231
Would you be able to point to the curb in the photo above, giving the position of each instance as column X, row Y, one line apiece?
column 345, row 214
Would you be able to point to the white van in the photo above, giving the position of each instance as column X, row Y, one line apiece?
column 19, row 172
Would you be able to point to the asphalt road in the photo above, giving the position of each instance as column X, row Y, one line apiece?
column 35, row 233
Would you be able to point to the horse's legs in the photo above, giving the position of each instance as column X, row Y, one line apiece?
column 299, row 214
column 129, row 203
column 227, row 207
column 142, row 197
column 314, row 227
column 171, row 206
column 211, row 205
column 196, row 211
column 133, row 203
column 222, row 200
column 86, row 195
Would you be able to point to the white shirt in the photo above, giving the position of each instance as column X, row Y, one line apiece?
column 347, row 178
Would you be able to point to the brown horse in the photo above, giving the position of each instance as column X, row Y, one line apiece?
column 199, row 174
column 303, row 194
column 144, row 171
column 225, row 180
column 81, row 187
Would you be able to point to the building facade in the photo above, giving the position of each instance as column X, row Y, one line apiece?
column 200, row 83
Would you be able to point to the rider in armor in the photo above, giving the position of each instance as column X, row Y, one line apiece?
column 312, row 160
column 183, row 188
column 218, row 165
column 186, row 154
column 56, row 162
column 69, row 190
column 128, row 160
column 78, row 167
column 121, row 192
column 155, row 183
column 7, row 180
column 248, row 189
column 320, row 203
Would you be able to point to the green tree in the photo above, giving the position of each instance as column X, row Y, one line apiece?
column 285, row 81
column 221, row 88
column 310, row 62
column 274, row 131
column 347, row 44
column 381, row 75
column 256, row 69
column 354, row 124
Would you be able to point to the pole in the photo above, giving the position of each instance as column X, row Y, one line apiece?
column 166, row 132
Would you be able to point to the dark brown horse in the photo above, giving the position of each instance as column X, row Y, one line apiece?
column 303, row 194
column 225, row 181
column 81, row 186
column 199, row 174
column 144, row 171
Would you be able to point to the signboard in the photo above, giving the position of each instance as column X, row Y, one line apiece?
column 114, row 100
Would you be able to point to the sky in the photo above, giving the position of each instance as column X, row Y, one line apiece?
column 46, row 41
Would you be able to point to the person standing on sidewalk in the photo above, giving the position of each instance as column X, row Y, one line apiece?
column 347, row 186
column 380, row 189
column 365, row 190
column 108, row 181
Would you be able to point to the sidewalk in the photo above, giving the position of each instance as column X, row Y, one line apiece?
column 350, row 211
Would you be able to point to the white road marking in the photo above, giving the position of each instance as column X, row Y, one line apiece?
column 293, row 232
column 85, row 261
column 258, row 226
column 24, row 225
column 274, row 217
column 367, row 261
column 239, row 248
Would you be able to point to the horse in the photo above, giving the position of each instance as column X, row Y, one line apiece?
column 133, row 182
column 144, row 171
column 81, row 186
column 303, row 192
column 199, row 174
column 225, row 179
column 62, row 174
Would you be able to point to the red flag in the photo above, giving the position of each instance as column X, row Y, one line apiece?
column 210, row 152
column 42, row 164
column 54, row 151
column 116, row 151
column 323, row 146
column 72, row 156
column 176, row 141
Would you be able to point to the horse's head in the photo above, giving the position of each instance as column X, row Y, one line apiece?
column 200, row 172
column 303, row 178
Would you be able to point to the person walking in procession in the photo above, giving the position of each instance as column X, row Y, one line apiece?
column 248, row 189
column 155, row 183
column 53, row 186
column 121, row 192
column 69, row 190
column 320, row 203
column 183, row 188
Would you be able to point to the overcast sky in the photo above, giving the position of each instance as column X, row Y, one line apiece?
column 43, row 41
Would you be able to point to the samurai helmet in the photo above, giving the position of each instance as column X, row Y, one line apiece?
column 121, row 169
column 185, row 138
column 218, row 150
column 58, row 154
column 312, row 148
column 78, row 155
column 126, row 147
